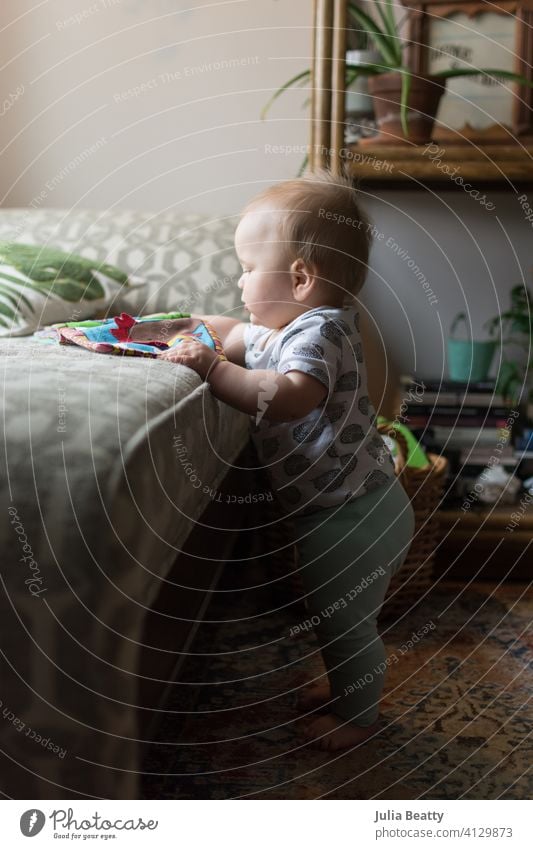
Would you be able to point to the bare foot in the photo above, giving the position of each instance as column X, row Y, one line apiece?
column 331, row 733
column 314, row 696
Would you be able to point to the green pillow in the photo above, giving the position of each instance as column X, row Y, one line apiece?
column 43, row 285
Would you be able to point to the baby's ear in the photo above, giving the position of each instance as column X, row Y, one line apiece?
column 303, row 268
column 297, row 266
column 303, row 279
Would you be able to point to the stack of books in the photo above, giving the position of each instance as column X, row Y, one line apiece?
column 468, row 419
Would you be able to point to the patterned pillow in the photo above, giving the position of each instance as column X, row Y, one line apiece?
column 43, row 285
column 187, row 258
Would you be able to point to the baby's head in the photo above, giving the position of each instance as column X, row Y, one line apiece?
column 302, row 244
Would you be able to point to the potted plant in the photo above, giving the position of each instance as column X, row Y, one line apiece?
column 513, row 330
column 361, row 52
column 392, row 82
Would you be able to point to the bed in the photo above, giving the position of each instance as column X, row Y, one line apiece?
column 99, row 502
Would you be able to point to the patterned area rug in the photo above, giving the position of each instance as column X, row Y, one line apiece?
column 456, row 711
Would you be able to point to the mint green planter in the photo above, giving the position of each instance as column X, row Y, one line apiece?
column 468, row 360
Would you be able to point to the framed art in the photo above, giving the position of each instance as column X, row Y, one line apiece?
column 477, row 34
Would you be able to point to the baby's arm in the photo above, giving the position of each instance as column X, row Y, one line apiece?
column 279, row 397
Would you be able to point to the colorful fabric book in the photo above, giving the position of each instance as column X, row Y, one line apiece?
column 134, row 336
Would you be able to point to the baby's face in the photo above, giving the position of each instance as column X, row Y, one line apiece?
column 266, row 278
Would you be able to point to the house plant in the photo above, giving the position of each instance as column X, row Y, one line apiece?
column 391, row 81
column 513, row 330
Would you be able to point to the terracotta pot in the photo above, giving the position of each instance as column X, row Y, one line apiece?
column 424, row 97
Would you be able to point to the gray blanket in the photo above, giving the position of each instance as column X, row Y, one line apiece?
column 98, row 458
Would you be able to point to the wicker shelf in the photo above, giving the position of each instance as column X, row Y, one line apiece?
column 490, row 163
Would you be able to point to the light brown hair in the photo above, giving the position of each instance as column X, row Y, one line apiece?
column 323, row 223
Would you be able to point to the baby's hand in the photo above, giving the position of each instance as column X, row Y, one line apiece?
column 193, row 354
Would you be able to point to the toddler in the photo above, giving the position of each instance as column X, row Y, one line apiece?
column 297, row 368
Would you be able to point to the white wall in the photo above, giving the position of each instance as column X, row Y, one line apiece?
column 470, row 256
column 191, row 138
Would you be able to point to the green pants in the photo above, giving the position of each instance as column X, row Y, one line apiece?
column 348, row 555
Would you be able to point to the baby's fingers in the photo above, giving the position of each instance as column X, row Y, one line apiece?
column 173, row 356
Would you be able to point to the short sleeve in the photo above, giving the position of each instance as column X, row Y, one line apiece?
column 251, row 334
column 246, row 335
column 315, row 349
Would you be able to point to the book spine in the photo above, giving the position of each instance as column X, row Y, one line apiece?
column 466, row 412
column 454, row 422
column 470, row 435
column 481, row 399
column 456, row 386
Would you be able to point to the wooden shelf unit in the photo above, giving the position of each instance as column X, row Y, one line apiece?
column 455, row 164
column 380, row 164
column 478, row 544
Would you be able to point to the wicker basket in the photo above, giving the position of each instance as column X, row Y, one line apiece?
column 424, row 487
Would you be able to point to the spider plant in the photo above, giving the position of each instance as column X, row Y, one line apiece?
column 48, row 271
column 383, row 32
column 305, row 76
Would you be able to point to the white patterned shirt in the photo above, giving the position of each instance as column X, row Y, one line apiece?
column 335, row 453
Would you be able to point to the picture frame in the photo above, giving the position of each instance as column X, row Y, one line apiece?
column 478, row 33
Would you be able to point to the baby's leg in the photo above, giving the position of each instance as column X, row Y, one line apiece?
column 348, row 556
column 353, row 652
column 359, row 650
